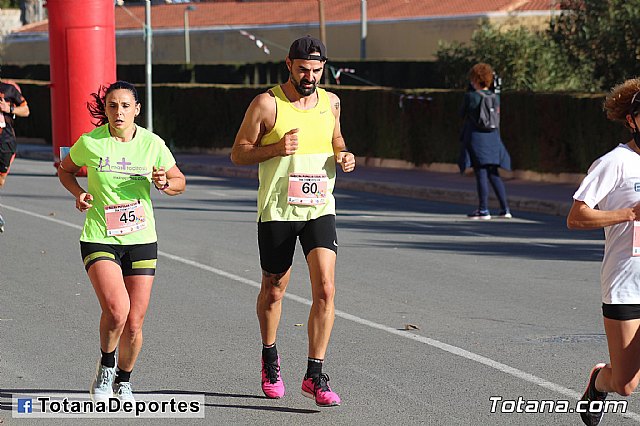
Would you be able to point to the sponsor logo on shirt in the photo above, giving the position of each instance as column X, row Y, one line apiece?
column 122, row 167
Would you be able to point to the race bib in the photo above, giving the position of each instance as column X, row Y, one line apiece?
column 307, row 189
column 124, row 218
column 636, row 238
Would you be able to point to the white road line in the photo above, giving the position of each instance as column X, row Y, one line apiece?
column 474, row 234
column 49, row 218
column 344, row 315
column 216, row 193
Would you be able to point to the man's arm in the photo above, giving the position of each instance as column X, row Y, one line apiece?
column 21, row 110
column 14, row 103
column 259, row 116
column 346, row 159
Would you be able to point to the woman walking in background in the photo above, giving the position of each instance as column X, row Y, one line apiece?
column 482, row 147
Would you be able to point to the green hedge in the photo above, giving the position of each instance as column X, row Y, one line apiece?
column 38, row 124
column 543, row 132
column 401, row 74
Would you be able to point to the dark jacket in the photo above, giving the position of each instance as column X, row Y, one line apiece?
column 479, row 147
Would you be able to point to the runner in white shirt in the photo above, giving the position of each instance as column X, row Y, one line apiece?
column 609, row 198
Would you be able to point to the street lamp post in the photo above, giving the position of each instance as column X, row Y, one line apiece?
column 363, row 29
column 187, row 44
column 147, row 64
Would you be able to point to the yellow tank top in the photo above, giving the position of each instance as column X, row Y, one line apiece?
column 313, row 157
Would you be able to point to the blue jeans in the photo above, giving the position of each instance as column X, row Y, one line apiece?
column 484, row 176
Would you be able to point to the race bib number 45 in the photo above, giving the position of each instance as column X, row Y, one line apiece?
column 124, row 218
column 307, row 189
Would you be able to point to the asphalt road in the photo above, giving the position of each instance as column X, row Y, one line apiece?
column 436, row 313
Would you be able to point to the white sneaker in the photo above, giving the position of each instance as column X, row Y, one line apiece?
column 123, row 392
column 102, row 386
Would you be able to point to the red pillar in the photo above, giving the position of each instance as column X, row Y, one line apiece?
column 82, row 48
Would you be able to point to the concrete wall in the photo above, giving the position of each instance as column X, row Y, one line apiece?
column 415, row 39
column 9, row 20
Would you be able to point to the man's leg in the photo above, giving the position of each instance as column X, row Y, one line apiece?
column 276, row 241
column 6, row 158
column 269, row 304
column 2, row 179
column 322, row 265
column 269, row 310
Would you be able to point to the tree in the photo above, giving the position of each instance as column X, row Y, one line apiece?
column 10, row 4
column 524, row 58
column 602, row 35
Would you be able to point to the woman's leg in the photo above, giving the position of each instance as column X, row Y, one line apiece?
column 108, row 283
column 498, row 187
column 622, row 374
column 482, row 187
column 139, row 292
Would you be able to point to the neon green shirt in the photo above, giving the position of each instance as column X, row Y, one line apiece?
column 118, row 173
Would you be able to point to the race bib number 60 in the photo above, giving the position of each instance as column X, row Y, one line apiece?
column 307, row 189
column 124, row 218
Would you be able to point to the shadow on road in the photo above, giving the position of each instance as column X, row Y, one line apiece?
column 8, row 393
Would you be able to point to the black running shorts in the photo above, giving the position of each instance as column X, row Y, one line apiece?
column 7, row 155
column 136, row 259
column 277, row 240
column 621, row 312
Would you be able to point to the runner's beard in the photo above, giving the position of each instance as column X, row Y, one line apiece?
column 303, row 90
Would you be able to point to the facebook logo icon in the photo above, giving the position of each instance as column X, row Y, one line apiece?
column 24, row 405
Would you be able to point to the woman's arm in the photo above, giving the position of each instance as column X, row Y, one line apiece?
column 174, row 177
column 67, row 170
column 581, row 216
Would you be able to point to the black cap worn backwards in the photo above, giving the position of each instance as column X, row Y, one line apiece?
column 308, row 48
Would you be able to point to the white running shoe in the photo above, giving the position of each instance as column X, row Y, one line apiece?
column 123, row 392
column 102, row 386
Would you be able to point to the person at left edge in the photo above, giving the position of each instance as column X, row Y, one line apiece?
column 12, row 105
column 118, row 242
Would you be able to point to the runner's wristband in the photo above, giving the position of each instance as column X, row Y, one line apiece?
column 164, row 188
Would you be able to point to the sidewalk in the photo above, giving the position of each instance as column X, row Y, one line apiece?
column 529, row 196
column 539, row 197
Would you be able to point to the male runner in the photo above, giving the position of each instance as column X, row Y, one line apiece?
column 12, row 104
column 293, row 132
